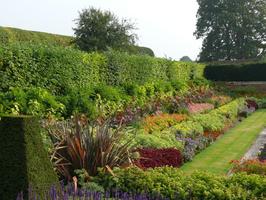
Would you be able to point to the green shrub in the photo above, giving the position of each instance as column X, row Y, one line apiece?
column 171, row 183
column 109, row 93
column 156, row 140
column 236, row 72
column 210, row 122
column 30, row 101
column 86, row 183
column 79, row 100
column 163, row 87
column 262, row 103
column 23, row 158
column 188, row 128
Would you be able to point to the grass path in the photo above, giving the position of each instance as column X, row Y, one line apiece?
column 231, row 146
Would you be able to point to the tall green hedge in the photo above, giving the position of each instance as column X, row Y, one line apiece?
column 59, row 69
column 238, row 72
column 23, row 159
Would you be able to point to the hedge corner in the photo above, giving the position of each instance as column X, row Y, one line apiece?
column 24, row 161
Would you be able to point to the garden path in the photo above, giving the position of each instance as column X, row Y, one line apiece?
column 231, row 146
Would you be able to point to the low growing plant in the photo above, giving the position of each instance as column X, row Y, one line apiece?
column 171, row 183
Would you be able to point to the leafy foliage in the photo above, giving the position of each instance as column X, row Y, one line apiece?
column 231, row 29
column 99, row 30
column 156, row 140
column 31, row 101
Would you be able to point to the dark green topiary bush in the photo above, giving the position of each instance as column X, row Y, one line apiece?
column 23, row 158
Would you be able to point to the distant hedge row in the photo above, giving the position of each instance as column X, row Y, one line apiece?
column 10, row 35
column 14, row 35
column 59, row 69
column 239, row 72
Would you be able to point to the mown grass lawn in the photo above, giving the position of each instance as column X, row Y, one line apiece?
column 231, row 146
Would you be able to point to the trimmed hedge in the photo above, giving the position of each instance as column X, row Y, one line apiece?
column 239, row 72
column 61, row 69
column 23, row 158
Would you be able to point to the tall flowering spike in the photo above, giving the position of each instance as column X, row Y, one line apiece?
column 107, row 194
column 53, row 194
column 20, row 196
column 34, row 196
column 30, row 192
column 62, row 185
column 65, row 196
column 80, row 193
column 69, row 189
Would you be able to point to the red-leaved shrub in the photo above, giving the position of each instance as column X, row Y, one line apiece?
column 151, row 158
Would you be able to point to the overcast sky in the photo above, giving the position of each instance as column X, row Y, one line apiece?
column 166, row 26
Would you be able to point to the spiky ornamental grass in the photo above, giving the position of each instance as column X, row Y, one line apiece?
column 80, row 145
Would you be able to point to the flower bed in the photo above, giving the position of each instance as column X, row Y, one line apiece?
column 191, row 135
column 201, row 129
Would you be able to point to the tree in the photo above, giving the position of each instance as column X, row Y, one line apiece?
column 185, row 59
column 231, row 29
column 100, row 30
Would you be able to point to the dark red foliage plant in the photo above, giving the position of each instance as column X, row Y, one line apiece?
column 151, row 158
column 252, row 104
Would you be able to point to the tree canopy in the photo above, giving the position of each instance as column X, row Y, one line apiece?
column 231, row 29
column 99, row 30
